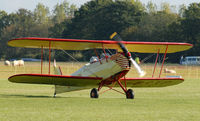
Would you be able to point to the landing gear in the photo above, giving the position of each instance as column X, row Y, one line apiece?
column 94, row 93
column 129, row 94
column 54, row 95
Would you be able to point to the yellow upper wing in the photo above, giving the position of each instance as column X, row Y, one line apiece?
column 77, row 44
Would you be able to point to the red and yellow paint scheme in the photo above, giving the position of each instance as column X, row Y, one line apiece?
column 108, row 71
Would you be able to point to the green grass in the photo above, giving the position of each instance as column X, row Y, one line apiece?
column 24, row 102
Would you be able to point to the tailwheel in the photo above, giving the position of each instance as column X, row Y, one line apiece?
column 54, row 95
column 130, row 94
column 94, row 93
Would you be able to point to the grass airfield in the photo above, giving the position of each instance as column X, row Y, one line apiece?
column 25, row 102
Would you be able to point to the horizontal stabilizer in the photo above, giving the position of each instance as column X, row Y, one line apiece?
column 62, row 89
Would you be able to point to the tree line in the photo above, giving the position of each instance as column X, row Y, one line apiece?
column 98, row 19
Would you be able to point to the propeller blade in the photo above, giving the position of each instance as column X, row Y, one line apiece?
column 139, row 70
column 117, row 38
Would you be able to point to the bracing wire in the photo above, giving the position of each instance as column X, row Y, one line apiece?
column 148, row 57
column 70, row 55
column 109, row 51
column 77, row 61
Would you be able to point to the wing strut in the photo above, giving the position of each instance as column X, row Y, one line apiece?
column 105, row 53
column 97, row 55
column 156, row 62
column 163, row 60
column 41, row 58
column 49, row 56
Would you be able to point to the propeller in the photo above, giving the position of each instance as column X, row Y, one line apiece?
column 117, row 38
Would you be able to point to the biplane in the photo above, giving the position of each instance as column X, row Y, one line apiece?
column 102, row 71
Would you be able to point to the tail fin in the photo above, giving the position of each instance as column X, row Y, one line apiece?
column 57, row 70
column 62, row 89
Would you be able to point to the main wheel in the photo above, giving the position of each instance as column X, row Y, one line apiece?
column 129, row 94
column 94, row 93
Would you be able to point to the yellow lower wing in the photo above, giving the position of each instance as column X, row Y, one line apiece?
column 56, row 80
column 152, row 82
column 90, row 82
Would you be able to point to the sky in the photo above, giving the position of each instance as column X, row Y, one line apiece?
column 13, row 5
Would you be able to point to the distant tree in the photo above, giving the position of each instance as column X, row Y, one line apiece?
column 72, row 10
column 23, row 22
column 41, row 14
column 23, row 25
column 99, row 18
column 151, row 8
column 182, row 9
column 191, row 25
column 63, row 11
column 56, row 31
column 165, row 7
column 191, row 22
column 137, row 3
column 4, row 20
column 175, row 32
column 186, row 28
column 152, row 27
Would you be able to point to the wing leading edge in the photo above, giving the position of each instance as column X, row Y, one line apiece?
column 77, row 44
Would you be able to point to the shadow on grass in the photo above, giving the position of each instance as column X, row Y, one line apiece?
column 33, row 96
column 25, row 96
column 51, row 97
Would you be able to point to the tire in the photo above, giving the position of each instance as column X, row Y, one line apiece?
column 94, row 93
column 129, row 94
